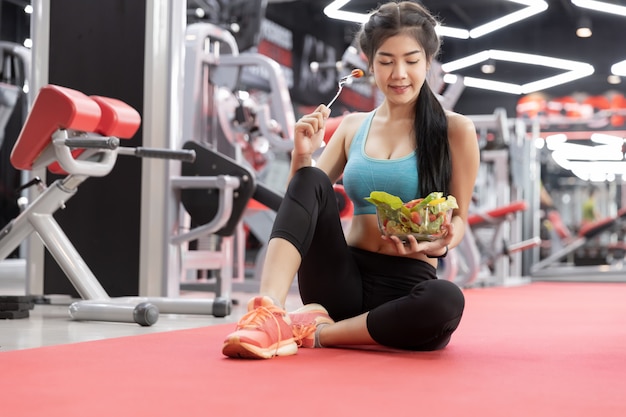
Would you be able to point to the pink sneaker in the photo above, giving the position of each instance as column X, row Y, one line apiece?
column 262, row 333
column 304, row 322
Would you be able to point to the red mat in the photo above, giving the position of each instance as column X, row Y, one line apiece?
column 546, row 349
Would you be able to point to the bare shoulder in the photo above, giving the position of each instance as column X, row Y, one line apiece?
column 352, row 121
column 460, row 127
column 348, row 127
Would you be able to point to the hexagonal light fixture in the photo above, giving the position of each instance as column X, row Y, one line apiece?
column 601, row 6
column 619, row 68
column 533, row 7
column 574, row 71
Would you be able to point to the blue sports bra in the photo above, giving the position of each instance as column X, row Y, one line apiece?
column 363, row 174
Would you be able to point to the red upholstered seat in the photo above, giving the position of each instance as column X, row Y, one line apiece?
column 54, row 108
column 502, row 211
column 118, row 118
column 63, row 108
column 592, row 229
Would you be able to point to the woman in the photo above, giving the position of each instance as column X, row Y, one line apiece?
column 364, row 288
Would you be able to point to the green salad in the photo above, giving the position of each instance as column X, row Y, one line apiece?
column 422, row 217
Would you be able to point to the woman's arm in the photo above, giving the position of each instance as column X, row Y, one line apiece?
column 309, row 134
column 465, row 155
column 308, row 137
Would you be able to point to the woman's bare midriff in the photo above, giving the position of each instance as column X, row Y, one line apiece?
column 364, row 234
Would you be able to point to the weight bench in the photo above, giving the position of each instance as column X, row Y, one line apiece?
column 490, row 252
column 78, row 136
column 496, row 218
column 584, row 235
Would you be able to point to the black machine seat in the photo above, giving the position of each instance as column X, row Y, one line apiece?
column 203, row 204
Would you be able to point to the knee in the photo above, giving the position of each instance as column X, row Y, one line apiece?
column 443, row 297
column 310, row 176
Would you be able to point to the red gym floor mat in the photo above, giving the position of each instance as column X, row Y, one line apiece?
column 546, row 349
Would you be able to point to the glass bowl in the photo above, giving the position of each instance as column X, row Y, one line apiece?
column 398, row 223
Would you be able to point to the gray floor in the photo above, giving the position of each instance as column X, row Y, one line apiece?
column 50, row 324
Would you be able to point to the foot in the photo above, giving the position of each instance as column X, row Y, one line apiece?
column 305, row 321
column 262, row 333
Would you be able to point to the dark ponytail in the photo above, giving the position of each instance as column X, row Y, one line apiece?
column 434, row 167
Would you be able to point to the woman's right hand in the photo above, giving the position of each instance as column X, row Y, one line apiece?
column 309, row 133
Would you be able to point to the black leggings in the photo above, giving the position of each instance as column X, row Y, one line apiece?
column 409, row 308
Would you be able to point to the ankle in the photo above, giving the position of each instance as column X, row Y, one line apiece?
column 276, row 302
column 318, row 331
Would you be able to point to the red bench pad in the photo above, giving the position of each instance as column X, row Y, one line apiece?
column 63, row 108
column 497, row 212
column 54, row 108
column 118, row 118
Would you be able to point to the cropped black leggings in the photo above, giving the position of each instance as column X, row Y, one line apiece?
column 409, row 308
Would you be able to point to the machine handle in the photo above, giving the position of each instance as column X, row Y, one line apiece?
column 185, row 155
column 110, row 142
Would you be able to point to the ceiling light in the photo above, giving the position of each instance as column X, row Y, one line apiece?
column 601, row 6
column 554, row 141
column 533, row 7
column 333, row 10
column 614, row 79
column 603, row 138
column 488, row 67
column 584, row 27
column 499, row 86
column 575, row 70
column 619, row 68
column 591, row 163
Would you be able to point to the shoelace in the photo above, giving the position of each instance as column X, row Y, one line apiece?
column 254, row 319
column 302, row 331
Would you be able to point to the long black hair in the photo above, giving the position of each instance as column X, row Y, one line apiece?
column 430, row 124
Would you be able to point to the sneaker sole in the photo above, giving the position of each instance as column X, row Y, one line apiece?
column 237, row 349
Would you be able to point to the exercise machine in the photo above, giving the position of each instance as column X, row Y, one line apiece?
column 78, row 137
column 553, row 267
column 236, row 106
column 15, row 61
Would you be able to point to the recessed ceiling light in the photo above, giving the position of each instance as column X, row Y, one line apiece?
column 533, row 7
column 614, row 79
column 584, row 27
column 574, row 71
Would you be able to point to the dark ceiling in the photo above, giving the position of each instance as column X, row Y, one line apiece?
column 550, row 33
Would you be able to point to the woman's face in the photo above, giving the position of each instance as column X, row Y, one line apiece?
column 400, row 68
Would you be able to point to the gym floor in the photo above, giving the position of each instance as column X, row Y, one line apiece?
column 49, row 324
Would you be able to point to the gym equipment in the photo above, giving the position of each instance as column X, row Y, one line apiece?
column 14, row 70
column 488, row 227
column 236, row 106
column 16, row 306
column 204, row 209
column 483, row 257
column 551, row 268
column 78, row 136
